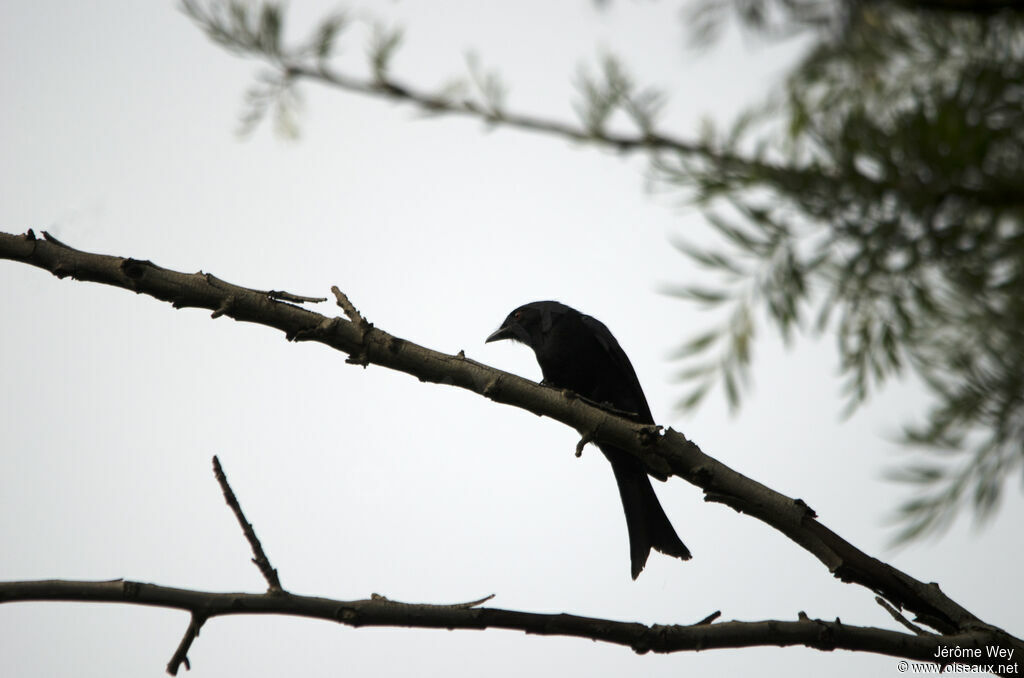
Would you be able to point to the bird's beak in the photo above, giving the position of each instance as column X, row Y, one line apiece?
column 499, row 334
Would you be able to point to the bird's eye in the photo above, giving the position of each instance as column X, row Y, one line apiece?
column 517, row 315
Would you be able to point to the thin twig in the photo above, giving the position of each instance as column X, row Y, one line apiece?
column 474, row 603
column 180, row 655
column 587, row 437
column 362, row 325
column 351, row 311
column 49, row 237
column 259, row 557
column 273, row 295
column 460, row 106
column 376, row 597
column 710, row 618
column 281, row 295
column 900, row 618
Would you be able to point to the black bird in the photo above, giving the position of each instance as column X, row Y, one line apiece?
column 577, row 352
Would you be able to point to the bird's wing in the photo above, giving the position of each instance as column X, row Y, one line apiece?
column 621, row 361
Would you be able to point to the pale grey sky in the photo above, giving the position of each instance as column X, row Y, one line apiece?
column 117, row 136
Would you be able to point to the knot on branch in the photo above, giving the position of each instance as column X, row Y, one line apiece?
column 62, row 271
column 491, row 387
column 131, row 590
column 702, row 476
column 846, row 573
column 652, row 638
column 225, row 307
column 649, row 434
column 348, row 615
column 360, row 358
column 134, row 269
column 808, row 511
column 826, row 639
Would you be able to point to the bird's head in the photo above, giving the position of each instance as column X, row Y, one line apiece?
column 528, row 323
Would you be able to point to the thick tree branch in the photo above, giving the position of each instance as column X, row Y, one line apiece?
column 664, row 453
column 380, row 611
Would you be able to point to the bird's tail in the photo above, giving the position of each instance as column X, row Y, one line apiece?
column 645, row 519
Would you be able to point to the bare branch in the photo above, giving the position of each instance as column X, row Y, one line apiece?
column 259, row 557
column 180, row 655
column 359, row 357
column 351, row 311
column 664, row 453
column 380, row 611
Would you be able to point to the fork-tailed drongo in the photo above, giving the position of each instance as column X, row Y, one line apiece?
column 578, row 353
